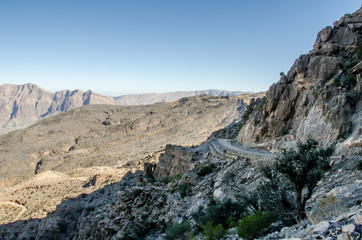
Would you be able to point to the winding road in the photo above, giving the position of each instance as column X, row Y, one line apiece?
column 260, row 154
column 15, row 205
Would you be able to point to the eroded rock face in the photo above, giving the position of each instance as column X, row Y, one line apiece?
column 175, row 160
column 23, row 105
column 320, row 96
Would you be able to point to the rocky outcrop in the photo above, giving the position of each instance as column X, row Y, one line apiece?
column 175, row 160
column 319, row 97
column 344, row 227
column 23, row 105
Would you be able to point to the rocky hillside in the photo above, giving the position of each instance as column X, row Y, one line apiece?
column 219, row 180
column 97, row 144
column 23, row 105
column 185, row 179
column 320, row 96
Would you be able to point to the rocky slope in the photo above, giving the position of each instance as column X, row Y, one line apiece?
column 320, row 96
column 23, row 105
column 144, row 203
column 137, row 208
column 57, row 157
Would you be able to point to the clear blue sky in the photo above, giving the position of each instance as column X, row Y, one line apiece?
column 117, row 47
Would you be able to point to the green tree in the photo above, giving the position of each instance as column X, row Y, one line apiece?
column 177, row 231
column 304, row 167
column 255, row 225
column 212, row 232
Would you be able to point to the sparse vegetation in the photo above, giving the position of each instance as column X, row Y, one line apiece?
column 248, row 111
column 337, row 82
column 341, row 136
column 255, row 225
column 213, row 232
column 359, row 165
column 350, row 81
column 219, row 212
column 229, row 177
column 127, row 237
column 261, row 104
column 184, row 189
column 274, row 194
column 166, row 180
column 257, row 105
column 177, row 231
column 230, row 132
column 144, row 228
column 304, row 168
column 205, row 170
column 359, row 51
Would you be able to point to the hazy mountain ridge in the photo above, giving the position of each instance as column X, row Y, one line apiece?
column 23, row 105
column 149, row 98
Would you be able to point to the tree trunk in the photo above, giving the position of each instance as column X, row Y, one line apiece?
column 299, row 204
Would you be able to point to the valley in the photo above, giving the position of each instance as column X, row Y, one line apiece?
column 281, row 165
column 55, row 159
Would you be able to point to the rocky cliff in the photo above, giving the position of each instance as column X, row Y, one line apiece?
column 23, row 105
column 319, row 97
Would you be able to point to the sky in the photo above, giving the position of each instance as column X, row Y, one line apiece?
column 117, row 47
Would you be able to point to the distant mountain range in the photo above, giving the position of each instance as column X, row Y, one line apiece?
column 23, row 105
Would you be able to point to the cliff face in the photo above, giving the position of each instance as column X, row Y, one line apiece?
column 23, row 105
column 320, row 96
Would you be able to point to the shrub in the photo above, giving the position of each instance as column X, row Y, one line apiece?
column 178, row 177
column 341, row 136
column 166, row 180
column 143, row 228
column 274, row 194
column 212, row 232
column 304, row 168
column 359, row 165
column 231, row 222
column 184, row 189
column 337, row 82
column 255, row 225
column 177, row 231
column 248, row 111
column 350, row 81
column 261, row 104
column 359, row 51
column 219, row 212
column 127, row 237
column 205, row 170
column 229, row 177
